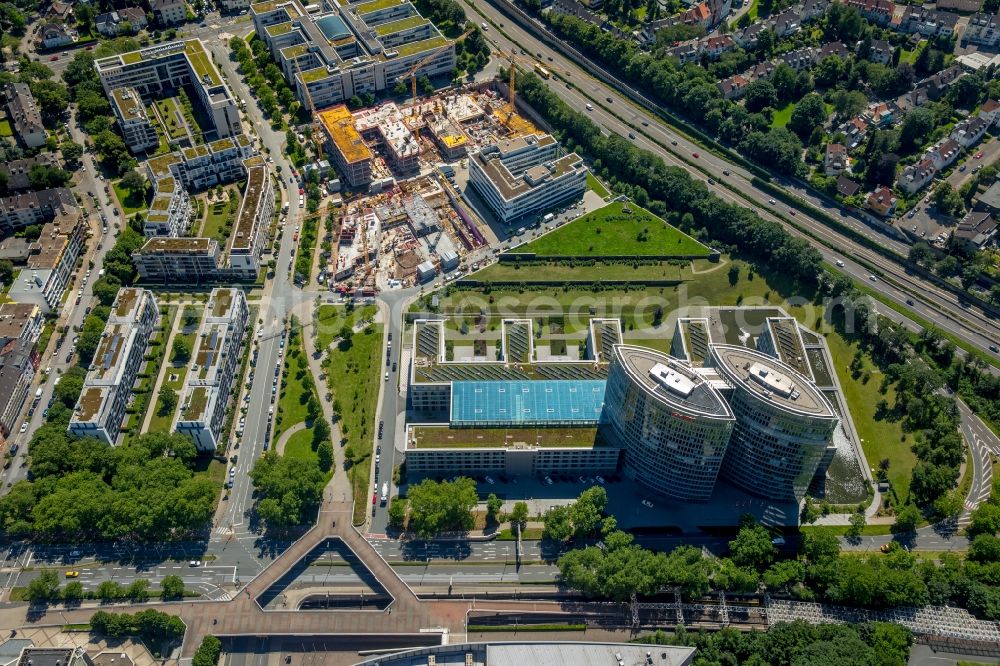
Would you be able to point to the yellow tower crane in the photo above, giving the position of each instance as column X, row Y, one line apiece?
column 512, row 74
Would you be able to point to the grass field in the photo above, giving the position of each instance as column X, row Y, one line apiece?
column 292, row 396
column 613, row 231
column 782, row 116
column 132, row 202
column 214, row 226
column 159, row 423
column 331, row 318
column 5, row 128
column 564, row 272
column 299, row 445
column 596, row 185
column 882, row 438
column 353, row 375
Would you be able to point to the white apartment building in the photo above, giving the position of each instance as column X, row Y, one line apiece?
column 51, row 262
column 250, row 234
column 165, row 260
column 164, row 68
column 213, row 367
column 983, row 29
column 522, row 177
column 170, row 210
column 203, row 166
column 139, row 133
column 107, row 388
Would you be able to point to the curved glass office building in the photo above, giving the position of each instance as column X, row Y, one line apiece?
column 783, row 423
column 671, row 422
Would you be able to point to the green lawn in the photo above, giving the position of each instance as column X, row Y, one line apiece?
column 5, row 128
column 299, row 445
column 564, row 272
column 168, row 109
column 882, row 438
column 782, row 116
column 617, row 230
column 293, row 395
column 330, row 318
column 131, row 202
column 159, row 423
column 596, row 185
column 215, row 221
column 353, row 375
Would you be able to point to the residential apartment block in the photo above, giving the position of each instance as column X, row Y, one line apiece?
column 21, row 210
column 136, row 126
column 17, row 172
column 24, row 116
column 203, row 166
column 107, row 388
column 169, row 12
column 163, row 68
column 169, row 258
column 51, row 262
column 525, row 176
column 968, row 132
column 983, row 30
column 20, row 327
column 917, row 176
column 169, row 211
column 213, row 368
column 348, row 49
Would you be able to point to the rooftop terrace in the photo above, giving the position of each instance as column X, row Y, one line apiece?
column 128, row 103
column 376, row 5
column 90, row 403
column 242, row 237
column 196, row 403
column 770, row 380
column 399, row 26
column 177, row 245
column 422, row 45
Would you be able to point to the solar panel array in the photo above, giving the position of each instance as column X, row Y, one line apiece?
column 526, row 402
column 427, row 341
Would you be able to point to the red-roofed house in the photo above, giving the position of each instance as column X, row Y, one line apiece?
column 882, row 202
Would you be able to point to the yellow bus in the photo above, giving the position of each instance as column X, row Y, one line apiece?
column 541, row 71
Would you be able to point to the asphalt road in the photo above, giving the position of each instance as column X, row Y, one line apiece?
column 578, row 89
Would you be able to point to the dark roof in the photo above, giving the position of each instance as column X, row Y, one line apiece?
column 847, row 187
column 17, row 170
column 960, row 5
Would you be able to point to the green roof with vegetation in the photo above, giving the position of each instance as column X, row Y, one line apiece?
column 443, row 437
column 196, row 404
column 422, row 45
column 618, row 229
column 400, row 25
column 279, row 29
column 200, row 61
column 376, row 5
column 313, row 75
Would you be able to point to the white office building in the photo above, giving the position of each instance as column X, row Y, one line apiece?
column 523, row 177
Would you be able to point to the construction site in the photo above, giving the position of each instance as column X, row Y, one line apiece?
column 404, row 217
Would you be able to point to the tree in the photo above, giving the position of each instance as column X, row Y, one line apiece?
column 917, row 125
column 819, row 547
column 946, row 199
column 442, row 506
column 558, row 525
column 857, row 521
column 73, row 592
column 106, row 289
column 949, row 505
column 52, row 98
column 324, row 454
column 44, row 588
column 133, row 181
column 138, row 591
column 907, row 518
column 752, row 546
column 985, row 520
column 760, row 94
column 6, row 271
column 397, row 513
column 809, row 114
column 208, row 652
column 167, row 401
column 519, row 515
column 67, row 391
column 191, row 316
column 493, row 506
column 171, row 587
column 289, row 489
column 181, row 351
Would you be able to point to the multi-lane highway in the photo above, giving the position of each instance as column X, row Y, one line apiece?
column 577, row 88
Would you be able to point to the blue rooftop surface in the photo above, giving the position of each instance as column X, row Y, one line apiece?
column 333, row 27
column 526, row 402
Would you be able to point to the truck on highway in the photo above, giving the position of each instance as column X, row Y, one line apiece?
column 385, row 493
